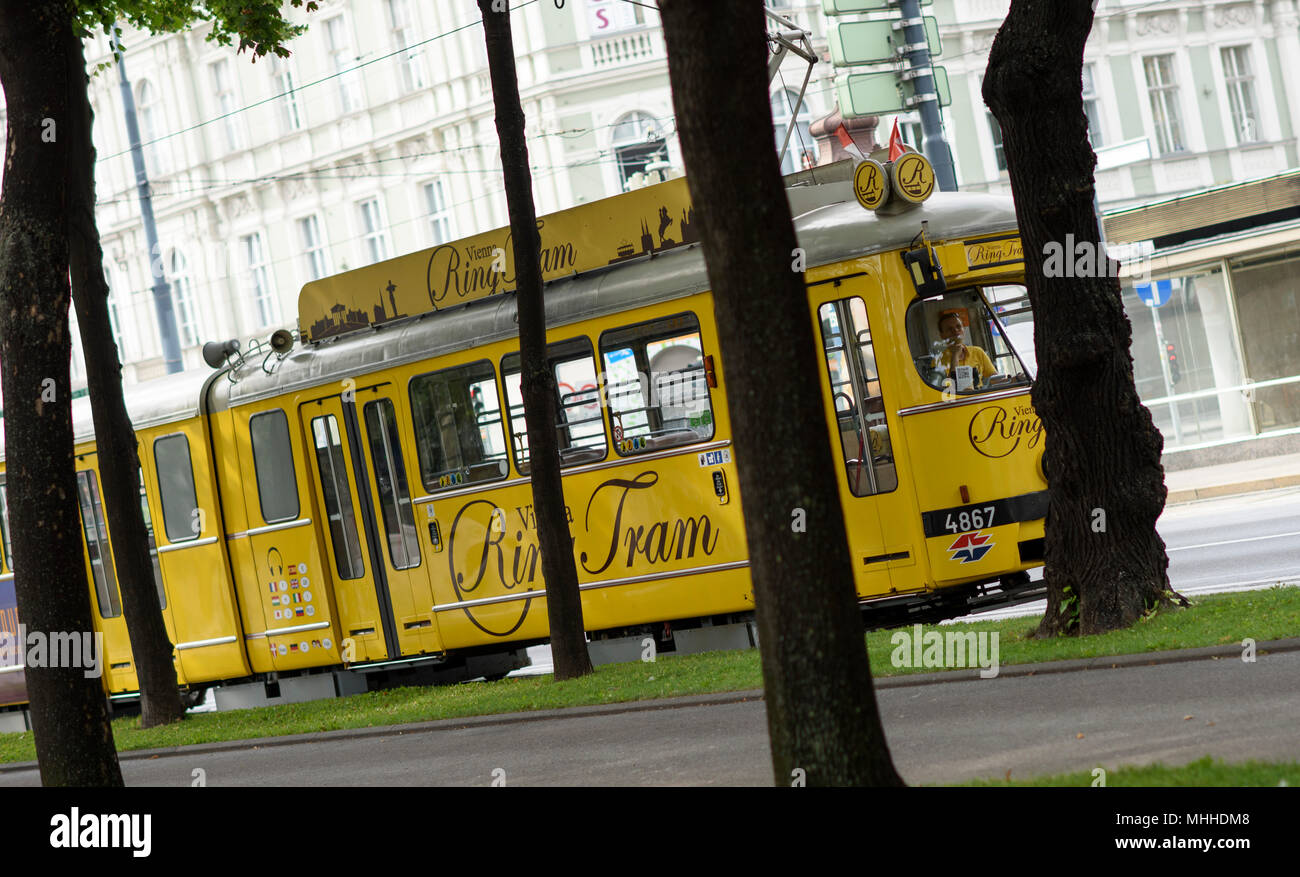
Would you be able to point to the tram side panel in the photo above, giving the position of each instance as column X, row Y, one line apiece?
column 288, row 616
column 651, row 495
column 180, row 477
column 119, row 673
column 979, row 484
column 861, row 388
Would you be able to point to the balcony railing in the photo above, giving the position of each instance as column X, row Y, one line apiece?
column 628, row 47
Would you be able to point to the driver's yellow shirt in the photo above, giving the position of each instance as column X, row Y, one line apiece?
column 975, row 356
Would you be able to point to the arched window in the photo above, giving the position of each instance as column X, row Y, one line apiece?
column 178, row 275
column 638, row 143
column 801, row 141
column 149, row 111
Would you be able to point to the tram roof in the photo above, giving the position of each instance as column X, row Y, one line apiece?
column 829, row 225
column 150, row 403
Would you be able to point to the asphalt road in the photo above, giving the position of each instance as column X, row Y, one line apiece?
column 938, row 733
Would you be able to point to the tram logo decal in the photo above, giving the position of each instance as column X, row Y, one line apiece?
column 499, row 560
column 970, row 547
column 995, row 431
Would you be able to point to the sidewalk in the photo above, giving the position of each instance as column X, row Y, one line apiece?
column 1226, row 479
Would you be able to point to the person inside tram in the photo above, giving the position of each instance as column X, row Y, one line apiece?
column 956, row 352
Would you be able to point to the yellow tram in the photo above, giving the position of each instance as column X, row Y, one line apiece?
column 358, row 496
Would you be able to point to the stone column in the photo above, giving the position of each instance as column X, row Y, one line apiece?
column 862, row 130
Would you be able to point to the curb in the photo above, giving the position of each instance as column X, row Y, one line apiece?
column 1107, row 662
column 1191, row 494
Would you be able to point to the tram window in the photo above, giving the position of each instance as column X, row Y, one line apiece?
column 655, row 384
column 458, row 434
column 390, row 481
column 101, row 559
column 277, row 486
column 153, row 545
column 580, row 429
column 987, row 341
column 176, row 487
column 855, row 391
column 4, row 526
column 337, row 495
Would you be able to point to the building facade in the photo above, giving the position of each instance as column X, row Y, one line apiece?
column 1182, row 96
column 376, row 137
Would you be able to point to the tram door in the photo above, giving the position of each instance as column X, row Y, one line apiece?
column 118, row 664
column 385, row 602
column 876, row 510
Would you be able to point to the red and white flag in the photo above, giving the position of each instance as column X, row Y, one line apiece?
column 847, row 142
column 896, row 147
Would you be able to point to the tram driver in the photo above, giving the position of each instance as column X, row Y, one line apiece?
column 957, row 352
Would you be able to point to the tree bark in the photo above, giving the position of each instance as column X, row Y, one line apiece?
column 74, row 742
column 541, row 395
column 1105, row 563
column 821, row 708
column 119, row 462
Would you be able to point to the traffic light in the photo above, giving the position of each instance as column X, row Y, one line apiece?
column 1172, row 356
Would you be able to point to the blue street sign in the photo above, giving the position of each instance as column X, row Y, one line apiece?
column 1155, row 294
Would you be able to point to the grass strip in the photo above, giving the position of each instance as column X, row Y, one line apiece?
column 1206, row 771
column 1222, row 619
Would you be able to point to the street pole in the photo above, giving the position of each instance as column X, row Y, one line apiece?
column 162, row 295
column 918, row 68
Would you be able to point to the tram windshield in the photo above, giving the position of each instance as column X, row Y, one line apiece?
column 973, row 340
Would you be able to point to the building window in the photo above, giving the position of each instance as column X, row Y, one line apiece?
column 156, row 155
column 313, row 247
column 411, row 62
column 223, row 87
column 995, row 130
column 638, row 146
column 435, row 200
column 800, row 153
column 178, row 276
column 257, row 277
column 1162, row 90
column 1239, row 79
column 1090, row 106
column 342, row 59
column 375, row 237
column 286, row 90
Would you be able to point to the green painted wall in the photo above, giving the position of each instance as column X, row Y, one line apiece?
column 1285, row 121
column 1212, row 122
column 963, row 123
column 1221, row 168
column 1144, row 181
column 1130, row 116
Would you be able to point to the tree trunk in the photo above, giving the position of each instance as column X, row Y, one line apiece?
column 821, row 707
column 1105, row 563
column 74, row 742
column 541, row 395
column 119, row 462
